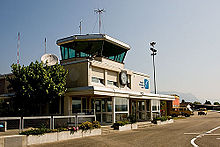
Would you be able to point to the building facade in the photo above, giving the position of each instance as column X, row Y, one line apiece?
column 98, row 82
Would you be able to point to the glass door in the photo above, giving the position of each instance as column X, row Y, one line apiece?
column 103, row 108
column 133, row 108
column 141, row 110
column 98, row 110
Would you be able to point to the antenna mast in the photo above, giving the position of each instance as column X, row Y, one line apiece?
column 18, row 47
column 80, row 27
column 45, row 43
column 99, row 11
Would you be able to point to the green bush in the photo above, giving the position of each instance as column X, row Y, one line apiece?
column 96, row 124
column 132, row 119
column 38, row 131
column 163, row 118
column 119, row 123
column 86, row 126
column 41, row 131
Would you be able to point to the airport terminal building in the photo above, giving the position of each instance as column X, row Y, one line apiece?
column 98, row 82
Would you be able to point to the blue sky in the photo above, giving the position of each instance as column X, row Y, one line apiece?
column 186, row 31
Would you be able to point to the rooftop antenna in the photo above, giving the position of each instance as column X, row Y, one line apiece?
column 45, row 45
column 99, row 11
column 18, row 47
column 80, row 27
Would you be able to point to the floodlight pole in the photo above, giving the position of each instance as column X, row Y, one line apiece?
column 154, row 52
column 155, row 88
column 80, row 27
column 99, row 11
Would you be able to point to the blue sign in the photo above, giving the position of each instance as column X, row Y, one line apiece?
column 146, row 84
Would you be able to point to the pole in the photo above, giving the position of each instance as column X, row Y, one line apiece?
column 155, row 89
column 18, row 47
column 80, row 27
column 99, row 11
column 45, row 43
column 99, row 22
column 154, row 52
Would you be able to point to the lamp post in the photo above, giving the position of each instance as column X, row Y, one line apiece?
column 154, row 52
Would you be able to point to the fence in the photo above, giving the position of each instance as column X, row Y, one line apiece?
column 51, row 122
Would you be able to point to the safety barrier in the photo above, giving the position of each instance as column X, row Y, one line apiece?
column 51, row 122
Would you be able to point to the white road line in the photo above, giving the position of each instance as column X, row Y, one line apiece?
column 217, row 138
column 212, row 134
column 201, row 135
column 193, row 143
column 213, row 129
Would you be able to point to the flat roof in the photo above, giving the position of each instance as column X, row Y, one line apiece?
column 93, row 37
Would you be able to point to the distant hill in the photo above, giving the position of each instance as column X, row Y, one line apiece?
column 188, row 97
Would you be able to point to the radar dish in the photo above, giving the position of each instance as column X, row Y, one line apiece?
column 49, row 59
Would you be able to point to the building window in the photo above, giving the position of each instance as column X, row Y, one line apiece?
column 111, row 83
column 118, row 58
column 68, row 53
column 76, row 105
column 129, row 81
column 155, row 105
column 121, row 104
column 97, row 80
column 72, row 53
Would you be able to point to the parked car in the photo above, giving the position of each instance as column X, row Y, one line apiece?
column 183, row 111
column 202, row 111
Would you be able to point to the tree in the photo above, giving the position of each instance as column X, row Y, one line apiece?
column 196, row 103
column 36, row 85
column 207, row 102
column 216, row 103
column 183, row 101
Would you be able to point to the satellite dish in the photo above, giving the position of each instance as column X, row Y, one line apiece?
column 49, row 59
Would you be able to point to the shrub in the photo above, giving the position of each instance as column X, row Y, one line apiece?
column 86, row 126
column 163, row 118
column 96, row 124
column 119, row 123
column 38, row 131
column 62, row 129
column 132, row 119
column 41, row 131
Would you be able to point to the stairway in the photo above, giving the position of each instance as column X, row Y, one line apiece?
column 142, row 125
column 107, row 130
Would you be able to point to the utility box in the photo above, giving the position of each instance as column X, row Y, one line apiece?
column 3, row 126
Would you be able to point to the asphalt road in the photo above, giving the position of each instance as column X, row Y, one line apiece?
column 178, row 134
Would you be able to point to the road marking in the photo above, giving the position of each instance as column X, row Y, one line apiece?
column 212, row 134
column 201, row 135
column 217, row 138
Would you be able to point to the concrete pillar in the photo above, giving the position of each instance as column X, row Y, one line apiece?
column 128, row 106
column 60, row 105
column 105, row 77
column 89, row 71
column 113, row 109
column 67, row 105
column 151, row 114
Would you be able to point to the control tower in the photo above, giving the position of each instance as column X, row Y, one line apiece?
column 92, row 45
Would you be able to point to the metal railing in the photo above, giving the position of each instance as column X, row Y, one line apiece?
column 51, row 122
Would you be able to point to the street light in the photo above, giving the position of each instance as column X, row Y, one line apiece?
column 154, row 52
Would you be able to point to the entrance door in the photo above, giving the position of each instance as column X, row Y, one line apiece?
column 103, row 108
column 141, row 110
column 98, row 110
column 133, row 105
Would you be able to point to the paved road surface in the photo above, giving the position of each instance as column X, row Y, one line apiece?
column 178, row 134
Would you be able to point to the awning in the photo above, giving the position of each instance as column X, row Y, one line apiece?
column 103, row 91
